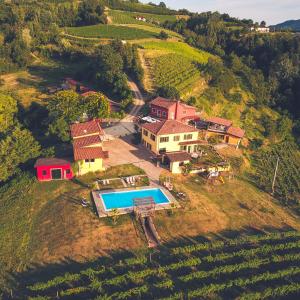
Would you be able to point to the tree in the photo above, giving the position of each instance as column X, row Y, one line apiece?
column 64, row 108
column 168, row 92
column 8, row 109
column 90, row 12
column 97, row 106
column 163, row 35
column 263, row 24
column 21, row 146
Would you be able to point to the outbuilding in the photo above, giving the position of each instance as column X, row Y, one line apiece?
column 53, row 169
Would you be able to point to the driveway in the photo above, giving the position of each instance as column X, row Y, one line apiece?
column 122, row 151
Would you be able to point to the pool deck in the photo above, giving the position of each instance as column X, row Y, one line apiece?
column 102, row 213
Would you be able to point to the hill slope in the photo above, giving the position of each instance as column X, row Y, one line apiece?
column 290, row 24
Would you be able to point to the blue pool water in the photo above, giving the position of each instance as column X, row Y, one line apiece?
column 125, row 199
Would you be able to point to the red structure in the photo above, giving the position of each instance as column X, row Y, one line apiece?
column 166, row 109
column 53, row 169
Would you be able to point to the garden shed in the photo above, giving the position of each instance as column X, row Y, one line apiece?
column 53, row 169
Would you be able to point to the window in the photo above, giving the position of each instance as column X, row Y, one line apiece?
column 159, row 112
column 176, row 138
column 164, row 139
column 145, row 132
column 68, row 171
column 183, row 148
column 162, row 150
column 90, row 160
column 188, row 136
column 152, row 137
column 154, row 110
column 164, row 114
column 44, row 172
column 184, row 112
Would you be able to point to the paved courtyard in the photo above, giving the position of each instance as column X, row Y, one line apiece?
column 122, row 151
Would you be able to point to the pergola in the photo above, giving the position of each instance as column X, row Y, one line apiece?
column 143, row 207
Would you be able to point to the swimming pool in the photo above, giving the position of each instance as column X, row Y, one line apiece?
column 125, row 199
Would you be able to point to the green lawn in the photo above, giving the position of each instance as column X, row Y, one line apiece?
column 110, row 32
column 180, row 48
column 126, row 17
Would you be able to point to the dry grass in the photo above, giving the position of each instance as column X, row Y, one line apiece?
column 235, row 205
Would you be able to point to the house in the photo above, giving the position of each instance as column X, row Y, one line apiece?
column 141, row 18
column 167, row 109
column 71, row 84
column 53, row 169
column 260, row 29
column 169, row 136
column 224, row 131
column 87, row 146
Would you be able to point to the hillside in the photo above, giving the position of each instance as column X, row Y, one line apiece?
column 293, row 25
column 192, row 269
column 173, row 64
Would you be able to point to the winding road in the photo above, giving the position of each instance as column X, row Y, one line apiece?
column 126, row 125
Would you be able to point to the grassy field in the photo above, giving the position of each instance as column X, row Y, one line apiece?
column 31, row 85
column 173, row 63
column 126, row 17
column 183, row 49
column 252, row 266
column 111, row 32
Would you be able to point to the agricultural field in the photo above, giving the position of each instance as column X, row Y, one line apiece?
column 287, row 183
column 174, row 64
column 126, row 17
column 110, row 32
column 244, row 267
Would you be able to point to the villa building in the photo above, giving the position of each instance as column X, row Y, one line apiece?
column 166, row 109
column 87, row 146
column 260, row 29
column 224, row 131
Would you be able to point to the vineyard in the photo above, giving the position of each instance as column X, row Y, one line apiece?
column 110, row 32
column 174, row 70
column 126, row 17
column 287, row 184
column 174, row 64
column 247, row 267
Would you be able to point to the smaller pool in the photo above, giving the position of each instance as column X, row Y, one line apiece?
column 125, row 199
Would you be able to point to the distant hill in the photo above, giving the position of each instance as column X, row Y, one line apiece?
column 290, row 24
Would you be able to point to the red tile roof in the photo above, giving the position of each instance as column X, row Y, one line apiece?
column 163, row 102
column 51, row 162
column 236, row 131
column 220, row 121
column 86, row 141
column 88, row 93
column 89, row 153
column 178, row 156
column 168, row 127
column 82, row 129
column 71, row 81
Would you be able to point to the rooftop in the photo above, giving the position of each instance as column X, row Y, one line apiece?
column 178, row 156
column 219, row 121
column 86, row 128
column 86, row 141
column 236, row 131
column 51, row 162
column 168, row 127
column 89, row 153
column 163, row 102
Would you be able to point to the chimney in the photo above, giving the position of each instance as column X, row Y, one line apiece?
column 176, row 109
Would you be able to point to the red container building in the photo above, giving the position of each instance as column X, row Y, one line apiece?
column 53, row 169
